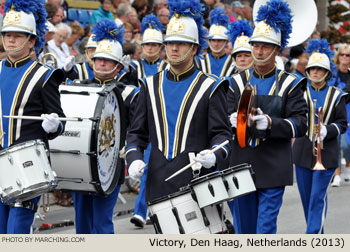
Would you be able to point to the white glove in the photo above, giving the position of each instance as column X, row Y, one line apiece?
column 126, row 61
column 70, row 61
column 136, row 169
column 206, row 160
column 323, row 132
column 233, row 119
column 50, row 122
column 262, row 120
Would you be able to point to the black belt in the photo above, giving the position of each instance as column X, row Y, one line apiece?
column 25, row 204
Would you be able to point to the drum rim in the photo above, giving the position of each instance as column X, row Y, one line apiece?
column 237, row 168
column 182, row 191
column 205, row 177
column 93, row 144
column 22, row 145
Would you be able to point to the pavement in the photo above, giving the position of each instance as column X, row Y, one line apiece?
column 60, row 220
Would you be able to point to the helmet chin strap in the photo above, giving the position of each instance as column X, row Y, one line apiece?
column 264, row 60
column 316, row 80
column 246, row 67
column 217, row 51
column 181, row 59
column 105, row 73
column 14, row 49
column 91, row 63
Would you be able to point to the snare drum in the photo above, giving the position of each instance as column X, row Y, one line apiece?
column 85, row 156
column 178, row 213
column 209, row 189
column 239, row 180
column 25, row 172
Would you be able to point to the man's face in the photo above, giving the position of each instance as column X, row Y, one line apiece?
column 243, row 59
column 263, row 50
column 58, row 17
column 105, row 65
column 164, row 16
column 13, row 40
column 177, row 50
column 217, row 44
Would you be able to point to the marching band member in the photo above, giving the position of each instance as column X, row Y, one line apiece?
column 27, row 88
column 281, row 117
column 217, row 62
column 152, row 43
column 94, row 214
column 313, row 184
column 239, row 33
column 180, row 110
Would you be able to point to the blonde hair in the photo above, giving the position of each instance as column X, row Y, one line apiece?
column 341, row 48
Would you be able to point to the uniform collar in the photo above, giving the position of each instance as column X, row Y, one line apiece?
column 182, row 76
column 319, row 88
column 264, row 76
column 218, row 57
column 100, row 82
column 17, row 63
column 152, row 62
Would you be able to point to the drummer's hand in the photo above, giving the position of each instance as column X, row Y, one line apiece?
column 70, row 62
column 262, row 120
column 50, row 122
column 233, row 119
column 135, row 169
column 206, row 160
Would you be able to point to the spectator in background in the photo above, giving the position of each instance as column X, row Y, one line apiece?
column 60, row 3
column 129, row 49
column 59, row 47
column 103, row 11
column 2, row 5
column 51, row 10
column 237, row 10
column 163, row 15
column 133, row 19
column 128, row 33
column 84, row 40
column 159, row 4
column 58, row 17
column 77, row 32
column 138, row 51
column 123, row 14
column 140, row 7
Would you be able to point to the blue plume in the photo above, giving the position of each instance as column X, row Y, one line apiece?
column 107, row 29
column 236, row 29
column 277, row 14
column 218, row 16
column 322, row 46
column 37, row 7
column 194, row 9
column 151, row 21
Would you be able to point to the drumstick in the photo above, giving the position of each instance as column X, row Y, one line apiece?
column 40, row 118
column 192, row 163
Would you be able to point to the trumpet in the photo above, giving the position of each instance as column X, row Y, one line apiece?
column 49, row 59
column 317, row 144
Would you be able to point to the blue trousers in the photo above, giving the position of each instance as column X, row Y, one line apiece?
column 16, row 220
column 256, row 212
column 140, row 203
column 94, row 214
column 312, row 187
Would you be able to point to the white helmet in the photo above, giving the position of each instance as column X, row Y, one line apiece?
column 318, row 59
column 218, row 23
column 19, row 21
column 239, row 33
column 242, row 45
column 91, row 43
column 152, row 36
column 182, row 29
column 266, row 34
column 108, row 49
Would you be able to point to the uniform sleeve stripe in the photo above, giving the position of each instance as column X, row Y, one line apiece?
column 337, row 127
column 292, row 125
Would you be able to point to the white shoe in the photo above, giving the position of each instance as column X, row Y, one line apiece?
column 347, row 174
column 336, row 181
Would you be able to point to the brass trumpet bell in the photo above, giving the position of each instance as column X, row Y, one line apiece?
column 318, row 147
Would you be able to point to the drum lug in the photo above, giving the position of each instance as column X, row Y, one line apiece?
column 10, row 159
column 92, row 154
column 19, row 183
column 94, row 119
column 226, row 184
column 235, row 181
column 102, row 93
column 194, row 197
column 46, row 174
column 211, row 189
column 37, row 151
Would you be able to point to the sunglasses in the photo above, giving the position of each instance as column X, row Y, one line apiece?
column 344, row 54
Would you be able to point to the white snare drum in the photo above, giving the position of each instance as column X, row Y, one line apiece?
column 239, row 180
column 209, row 189
column 178, row 213
column 25, row 172
column 85, row 156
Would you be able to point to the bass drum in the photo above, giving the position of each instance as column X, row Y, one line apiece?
column 86, row 156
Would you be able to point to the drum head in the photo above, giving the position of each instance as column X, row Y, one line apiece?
column 110, row 137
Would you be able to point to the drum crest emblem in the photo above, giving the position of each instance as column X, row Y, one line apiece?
column 107, row 133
